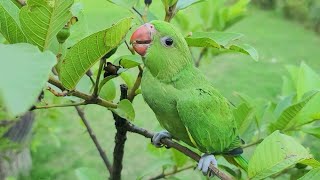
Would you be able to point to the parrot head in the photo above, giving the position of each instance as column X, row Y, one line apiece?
column 163, row 48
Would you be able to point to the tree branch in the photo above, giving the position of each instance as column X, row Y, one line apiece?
column 59, row 105
column 252, row 144
column 169, row 143
column 120, row 139
column 88, row 98
column 170, row 12
column 96, row 87
column 132, row 92
column 202, row 53
column 175, row 171
column 94, row 139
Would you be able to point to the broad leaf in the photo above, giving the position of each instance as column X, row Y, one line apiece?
column 315, row 131
column 289, row 114
column 23, row 75
column 312, row 174
column 311, row 162
column 215, row 39
column 245, row 49
column 243, row 116
column 128, row 79
column 124, row 3
column 288, row 87
column 276, row 153
column 307, row 80
column 83, row 55
column 108, row 91
column 9, row 22
column 41, row 20
column 129, row 61
column 168, row 3
column 84, row 173
column 125, row 110
column 282, row 105
column 182, row 4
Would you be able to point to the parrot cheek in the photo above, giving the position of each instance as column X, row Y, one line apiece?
column 141, row 48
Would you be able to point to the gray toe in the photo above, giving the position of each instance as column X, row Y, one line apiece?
column 158, row 136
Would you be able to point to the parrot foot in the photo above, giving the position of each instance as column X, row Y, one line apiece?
column 158, row 136
column 204, row 164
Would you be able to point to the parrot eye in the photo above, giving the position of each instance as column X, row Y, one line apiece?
column 167, row 41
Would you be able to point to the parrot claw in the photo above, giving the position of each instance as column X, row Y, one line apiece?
column 158, row 136
column 204, row 164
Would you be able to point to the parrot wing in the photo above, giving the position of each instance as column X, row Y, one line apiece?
column 209, row 121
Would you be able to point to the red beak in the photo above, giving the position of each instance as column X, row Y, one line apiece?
column 142, row 38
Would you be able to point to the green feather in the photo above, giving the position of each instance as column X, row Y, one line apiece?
column 184, row 101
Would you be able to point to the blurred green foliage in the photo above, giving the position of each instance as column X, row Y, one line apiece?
column 306, row 12
column 62, row 149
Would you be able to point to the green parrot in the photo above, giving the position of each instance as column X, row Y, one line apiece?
column 182, row 98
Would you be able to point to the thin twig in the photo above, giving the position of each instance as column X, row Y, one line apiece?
column 59, row 105
column 169, row 143
column 94, row 139
column 88, row 98
column 132, row 92
column 96, row 87
column 170, row 12
column 130, row 48
column 135, row 10
column 252, row 144
column 145, row 14
column 58, row 94
column 175, row 171
column 202, row 53
column 120, row 139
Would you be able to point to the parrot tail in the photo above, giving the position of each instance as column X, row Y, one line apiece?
column 239, row 161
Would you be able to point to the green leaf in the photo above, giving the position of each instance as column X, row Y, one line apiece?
column 42, row 20
column 315, row 131
column 128, row 79
column 312, row 174
column 125, row 110
column 124, row 3
column 9, row 22
column 274, row 154
column 168, row 3
column 282, row 105
column 243, row 116
column 288, row 87
column 307, row 80
column 31, row 68
column 215, row 39
column 311, row 162
column 245, row 49
column 289, row 114
column 83, row 55
column 108, row 91
column 182, row 4
column 129, row 61
column 84, row 173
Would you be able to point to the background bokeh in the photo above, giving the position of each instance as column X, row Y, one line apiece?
column 60, row 143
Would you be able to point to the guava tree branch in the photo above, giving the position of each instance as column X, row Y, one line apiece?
column 89, row 99
column 170, row 143
column 120, row 138
column 96, row 87
column 175, row 171
column 252, row 144
column 202, row 53
column 132, row 92
column 94, row 139
column 59, row 105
